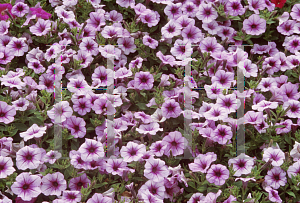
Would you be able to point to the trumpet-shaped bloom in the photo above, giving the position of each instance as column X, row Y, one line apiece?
column 254, row 25
column 27, row 186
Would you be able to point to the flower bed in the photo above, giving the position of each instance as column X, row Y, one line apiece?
column 142, row 101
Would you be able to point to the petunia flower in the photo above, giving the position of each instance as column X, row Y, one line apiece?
column 7, row 113
column 132, row 151
column 127, row 45
column 6, row 55
column 89, row 45
column 71, row 196
column 276, row 155
column 155, row 188
column 156, row 170
column 256, row 5
column 216, row 113
column 41, row 28
column 278, row 3
column 96, row 20
column 4, row 25
column 148, row 41
column 210, row 45
column 52, row 156
column 292, row 43
column 97, row 197
column 175, row 142
column 60, row 112
column 276, row 177
column 212, row 27
column 20, row 9
column 143, row 80
column 53, row 184
column 202, row 162
column 206, row 13
column 217, row 174
column 191, row 34
column 273, row 195
column 91, row 150
column 173, row 10
column 78, row 182
column 235, row 8
column 82, row 106
column 242, row 164
column 6, row 167
column 294, row 11
column 171, row 29
column 287, row 27
column 33, row 132
column 171, row 109
column 77, row 126
column 40, row 13
column 254, row 25
column 27, row 186
column 222, row 134
column 28, row 157
column 3, row 15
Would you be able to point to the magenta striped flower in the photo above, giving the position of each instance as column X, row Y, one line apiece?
column 7, row 113
column 217, row 174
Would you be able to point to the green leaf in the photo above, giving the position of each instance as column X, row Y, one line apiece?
column 21, row 126
column 90, row 129
column 234, row 17
column 157, row 76
column 291, row 194
column 249, row 199
column 37, row 120
column 279, row 126
column 142, row 106
column 13, row 132
column 100, row 185
column 247, row 37
column 237, row 38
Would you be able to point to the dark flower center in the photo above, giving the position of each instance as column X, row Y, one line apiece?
column 20, row 8
column 276, row 177
column 222, row 80
column 79, row 184
column 154, row 169
column 35, row 65
column 133, row 152
column 115, row 167
column 1, row 167
column 144, row 80
column 225, row 32
column 20, row 104
column 89, row 47
column 171, row 29
column 25, row 187
column 235, row 6
column 76, row 128
column 28, row 157
column 71, row 196
column 228, row 104
column 55, row 184
column 173, row 10
column 204, row 165
column 218, row 173
column 253, row 26
column 170, row 108
column 189, row 9
column 153, row 191
column 295, row 44
column 18, row 45
column 158, row 147
column 222, row 133
column 241, row 164
column 271, row 63
column 182, row 49
column 209, row 49
column 92, row 150
column 173, row 143
column 149, row 40
column 207, row 12
column 293, row 109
